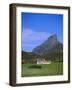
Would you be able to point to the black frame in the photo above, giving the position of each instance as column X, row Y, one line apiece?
column 12, row 63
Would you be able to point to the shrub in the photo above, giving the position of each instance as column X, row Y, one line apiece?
column 35, row 66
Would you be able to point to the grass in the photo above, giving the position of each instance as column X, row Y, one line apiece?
column 45, row 70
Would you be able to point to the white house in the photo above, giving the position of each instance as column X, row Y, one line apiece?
column 43, row 61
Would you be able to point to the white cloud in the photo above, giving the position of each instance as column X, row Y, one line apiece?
column 31, row 39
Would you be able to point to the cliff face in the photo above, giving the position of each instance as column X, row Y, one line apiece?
column 50, row 45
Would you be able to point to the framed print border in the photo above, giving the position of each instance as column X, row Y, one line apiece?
column 13, row 43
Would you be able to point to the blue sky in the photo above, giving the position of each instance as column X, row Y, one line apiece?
column 36, row 28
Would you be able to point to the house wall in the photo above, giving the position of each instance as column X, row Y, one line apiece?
column 43, row 61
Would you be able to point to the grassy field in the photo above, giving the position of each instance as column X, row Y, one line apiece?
column 45, row 70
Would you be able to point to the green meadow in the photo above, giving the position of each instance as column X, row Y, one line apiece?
column 55, row 68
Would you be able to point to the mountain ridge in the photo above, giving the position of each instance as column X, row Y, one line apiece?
column 51, row 49
column 50, row 45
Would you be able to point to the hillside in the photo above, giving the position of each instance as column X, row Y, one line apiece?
column 51, row 49
column 49, row 46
